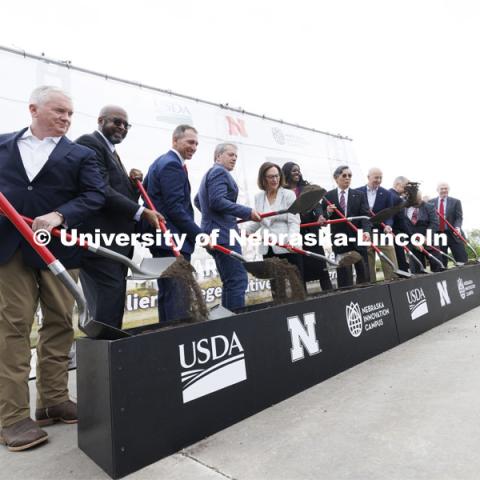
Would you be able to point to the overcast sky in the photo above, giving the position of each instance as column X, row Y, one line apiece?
column 400, row 78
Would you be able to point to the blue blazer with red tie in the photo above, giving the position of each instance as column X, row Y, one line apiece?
column 169, row 189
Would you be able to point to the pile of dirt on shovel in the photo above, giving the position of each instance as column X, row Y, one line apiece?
column 284, row 274
column 191, row 296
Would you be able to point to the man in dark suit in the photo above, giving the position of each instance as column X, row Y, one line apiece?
column 169, row 189
column 103, row 280
column 451, row 209
column 216, row 199
column 351, row 203
column 421, row 217
column 47, row 177
column 379, row 198
column 400, row 223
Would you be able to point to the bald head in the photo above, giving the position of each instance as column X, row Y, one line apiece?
column 375, row 177
column 113, row 123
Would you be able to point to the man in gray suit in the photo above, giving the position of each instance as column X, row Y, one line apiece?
column 451, row 209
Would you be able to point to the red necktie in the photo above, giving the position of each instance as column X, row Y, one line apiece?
column 185, row 169
column 414, row 216
column 442, row 215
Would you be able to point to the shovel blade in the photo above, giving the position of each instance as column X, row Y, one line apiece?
column 151, row 268
column 307, row 200
column 102, row 331
column 218, row 311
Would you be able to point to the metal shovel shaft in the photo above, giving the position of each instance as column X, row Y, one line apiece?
column 107, row 253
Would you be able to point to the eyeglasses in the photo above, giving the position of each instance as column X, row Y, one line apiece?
column 118, row 122
column 346, row 175
column 272, row 177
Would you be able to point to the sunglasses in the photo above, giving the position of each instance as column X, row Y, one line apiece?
column 346, row 175
column 118, row 122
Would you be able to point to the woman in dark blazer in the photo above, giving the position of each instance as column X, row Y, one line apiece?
column 313, row 269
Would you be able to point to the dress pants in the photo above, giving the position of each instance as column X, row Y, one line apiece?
column 171, row 305
column 21, row 288
column 104, row 285
column 234, row 279
column 389, row 252
column 434, row 266
column 456, row 246
column 345, row 274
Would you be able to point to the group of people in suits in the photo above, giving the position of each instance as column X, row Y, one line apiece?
column 85, row 185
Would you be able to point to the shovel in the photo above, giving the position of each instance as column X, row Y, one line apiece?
column 405, row 248
column 307, row 253
column 257, row 269
column 92, row 328
column 446, row 255
column 336, row 220
column 459, row 235
column 396, row 270
column 149, row 268
column 305, row 201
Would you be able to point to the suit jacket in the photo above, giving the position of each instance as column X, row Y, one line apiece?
column 69, row 183
column 169, row 189
column 121, row 204
column 383, row 200
column 426, row 219
column 357, row 205
column 400, row 223
column 216, row 199
column 280, row 224
column 454, row 213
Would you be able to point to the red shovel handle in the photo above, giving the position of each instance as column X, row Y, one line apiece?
column 151, row 206
column 23, row 228
column 350, row 224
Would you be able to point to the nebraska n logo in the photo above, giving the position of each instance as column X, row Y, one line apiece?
column 443, row 292
column 303, row 337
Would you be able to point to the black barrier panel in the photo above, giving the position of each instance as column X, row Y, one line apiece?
column 307, row 342
column 424, row 302
column 166, row 389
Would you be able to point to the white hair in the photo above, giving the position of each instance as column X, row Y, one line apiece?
column 41, row 94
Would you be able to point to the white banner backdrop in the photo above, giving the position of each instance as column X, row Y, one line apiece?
column 154, row 114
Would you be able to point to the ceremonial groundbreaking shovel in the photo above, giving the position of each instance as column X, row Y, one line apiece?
column 305, row 201
column 459, row 235
column 396, row 270
column 149, row 268
column 92, row 328
column 257, row 269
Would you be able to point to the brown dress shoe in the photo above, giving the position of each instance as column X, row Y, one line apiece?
column 349, row 258
column 22, row 435
column 65, row 412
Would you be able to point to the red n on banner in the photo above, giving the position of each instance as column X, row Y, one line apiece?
column 236, row 126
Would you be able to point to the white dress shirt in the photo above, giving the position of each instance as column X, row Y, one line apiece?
column 371, row 196
column 35, row 152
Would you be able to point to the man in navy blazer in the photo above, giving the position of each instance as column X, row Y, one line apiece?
column 169, row 189
column 451, row 209
column 216, row 199
column 351, row 203
column 400, row 222
column 379, row 198
column 103, row 280
column 47, row 177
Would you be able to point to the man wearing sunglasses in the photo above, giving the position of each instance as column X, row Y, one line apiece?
column 350, row 203
column 103, row 280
